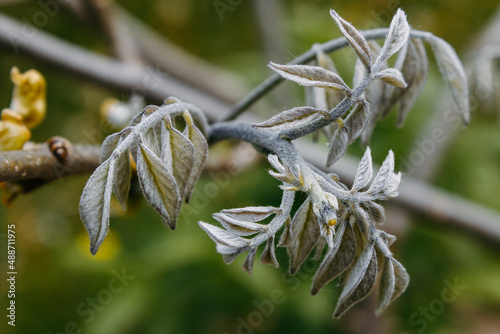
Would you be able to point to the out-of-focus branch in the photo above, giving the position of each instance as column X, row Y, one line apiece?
column 21, row 38
column 38, row 162
column 159, row 52
column 118, row 33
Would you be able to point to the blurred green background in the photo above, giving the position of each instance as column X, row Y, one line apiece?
column 174, row 281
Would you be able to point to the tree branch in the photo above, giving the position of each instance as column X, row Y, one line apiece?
column 38, row 162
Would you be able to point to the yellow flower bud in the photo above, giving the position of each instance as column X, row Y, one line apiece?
column 13, row 133
column 29, row 96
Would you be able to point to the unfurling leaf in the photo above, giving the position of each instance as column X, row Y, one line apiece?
column 238, row 227
column 338, row 145
column 305, row 234
column 222, row 237
column 355, row 39
column 384, row 175
column 360, row 283
column 398, row 34
column 315, row 76
column 453, row 73
column 252, row 213
column 268, row 255
column 365, row 171
column 158, row 185
column 200, row 153
column 402, row 279
column 391, row 76
column 356, row 122
column 338, row 258
column 121, row 177
column 108, row 146
column 182, row 158
column 293, row 117
column 386, row 287
column 95, row 204
column 248, row 264
column 376, row 212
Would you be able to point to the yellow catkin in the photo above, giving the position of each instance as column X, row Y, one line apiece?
column 13, row 132
column 29, row 96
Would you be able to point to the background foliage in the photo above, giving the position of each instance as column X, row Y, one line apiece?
column 181, row 285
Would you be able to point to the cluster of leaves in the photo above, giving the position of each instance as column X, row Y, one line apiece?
column 168, row 164
column 347, row 220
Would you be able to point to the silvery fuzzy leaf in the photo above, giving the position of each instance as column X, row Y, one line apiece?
column 238, row 227
column 268, row 255
column 223, row 237
column 158, row 185
column 453, row 73
column 402, row 279
column 200, row 153
column 389, row 239
column 365, row 171
column 398, row 34
column 338, row 258
column 293, row 117
column 384, row 175
column 274, row 161
column 286, row 236
column 376, row 212
column 95, row 204
column 415, row 69
column 356, row 122
column 252, row 213
column 248, row 264
column 305, row 234
column 386, row 287
column 360, row 282
column 166, row 146
column 315, row 76
column 121, row 177
column 108, row 146
column 361, row 244
column 391, row 189
column 152, row 139
column 182, row 158
column 338, row 146
column 392, row 77
column 359, row 213
column 355, row 39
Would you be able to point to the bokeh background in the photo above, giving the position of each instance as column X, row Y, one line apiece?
column 175, row 281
